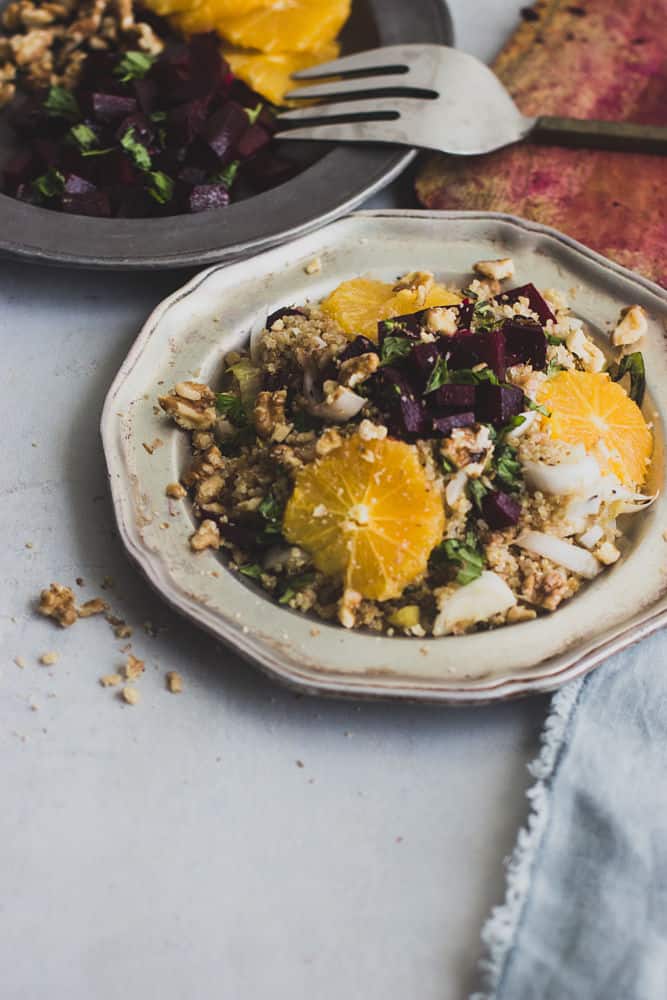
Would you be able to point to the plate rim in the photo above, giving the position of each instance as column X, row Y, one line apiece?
column 575, row 662
column 377, row 165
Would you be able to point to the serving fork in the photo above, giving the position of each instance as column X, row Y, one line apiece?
column 440, row 98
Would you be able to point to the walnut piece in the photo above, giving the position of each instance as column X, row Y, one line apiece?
column 96, row 606
column 58, row 603
column 207, row 536
column 48, row 659
column 191, row 405
column 497, row 270
column 130, row 695
column 269, row 415
column 176, row 491
column 111, row 680
column 631, row 327
column 133, row 668
column 354, row 371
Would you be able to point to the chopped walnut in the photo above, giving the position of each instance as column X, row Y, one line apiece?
column 208, row 489
column 469, row 448
column 631, row 327
column 442, row 319
column 58, row 603
column 419, row 282
column 520, row 613
column 347, row 607
column 368, row 431
column 176, row 491
column 96, row 606
column 314, row 267
column 207, row 536
column 497, row 270
column 191, row 405
column 269, row 415
column 174, row 682
column 591, row 357
column 354, row 371
column 328, row 441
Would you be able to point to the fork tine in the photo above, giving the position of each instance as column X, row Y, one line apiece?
column 392, row 57
column 364, row 86
column 352, row 110
column 379, row 131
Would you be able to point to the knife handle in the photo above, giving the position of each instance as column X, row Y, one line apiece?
column 625, row 137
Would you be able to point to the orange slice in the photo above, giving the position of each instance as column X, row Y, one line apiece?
column 218, row 8
column 589, row 408
column 359, row 304
column 368, row 513
column 270, row 73
column 287, row 26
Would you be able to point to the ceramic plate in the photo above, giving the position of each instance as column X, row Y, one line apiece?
column 187, row 336
column 342, row 178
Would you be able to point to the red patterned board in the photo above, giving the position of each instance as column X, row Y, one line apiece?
column 596, row 59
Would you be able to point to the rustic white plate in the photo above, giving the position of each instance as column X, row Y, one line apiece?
column 187, row 336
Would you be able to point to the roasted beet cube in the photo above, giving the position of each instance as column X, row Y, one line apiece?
column 191, row 176
column 22, row 168
column 207, row 68
column 500, row 510
column 186, row 121
column 145, row 92
column 143, row 128
column 108, row 108
column 445, row 425
column 423, row 359
column 465, row 311
column 465, row 349
column 77, row 185
column 93, row 203
column 48, row 151
column 357, row 347
column 407, row 412
column 409, row 325
column 525, row 343
column 253, row 140
column 495, row 404
column 535, row 301
column 224, row 129
column 282, row 312
column 206, row 197
column 453, row 397
column 494, row 352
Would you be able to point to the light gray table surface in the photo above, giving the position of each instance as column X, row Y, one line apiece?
column 177, row 849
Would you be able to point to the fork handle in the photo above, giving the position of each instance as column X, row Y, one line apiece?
column 626, row 137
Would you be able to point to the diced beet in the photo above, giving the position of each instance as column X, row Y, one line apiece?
column 22, row 168
column 500, row 510
column 281, row 313
column 252, row 141
column 145, row 92
column 224, row 129
column 77, row 185
column 93, row 203
column 97, row 74
column 496, row 404
column 116, row 168
column 525, row 343
column 206, row 197
column 191, row 175
column 445, row 425
column 360, row 345
column 407, row 412
column 266, row 170
column 48, row 151
column 494, row 351
column 143, row 128
column 535, row 301
column 453, row 397
column 107, row 108
column 409, row 325
column 208, row 68
column 465, row 310
column 186, row 121
column 423, row 359
column 26, row 192
column 465, row 349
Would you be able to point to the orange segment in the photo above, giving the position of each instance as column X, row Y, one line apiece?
column 368, row 513
column 589, row 408
column 270, row 73
column 218, row 8
column 288, row 26
column 359, row 304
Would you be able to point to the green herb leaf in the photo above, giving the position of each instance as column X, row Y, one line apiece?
column 439, row 376
column 632, row 365
column 513, row 422
column 553, row 368
column 61, row 103
column 136, row 149
column 158, row 117
column 160, row 187
column 254, row 113
column 483, row 317
column 530, row 404
column 476, row 492
column 49, row 185
column 554, row 341
column 84, row 137
column 468, row 293
column 394, row 348
column 229, row 405
column 448, row 466
column 465, row 555
column 272, row 512
column 227, row 175
column 252, row 570
column 507, row 467
column 294, row 585
column 134, row 66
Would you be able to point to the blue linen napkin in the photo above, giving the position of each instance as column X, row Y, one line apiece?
column 585, row 915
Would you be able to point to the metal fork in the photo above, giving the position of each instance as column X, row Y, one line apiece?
column 440, row 98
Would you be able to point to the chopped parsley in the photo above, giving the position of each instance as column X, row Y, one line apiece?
column 394, row 348
column 229, row 405
column 507, row 467
column 158, row 117
column 448, row 466
column 554, row 341
column 632, row 365
column 465, row 555
column 272, row 512
column 439, row 376
column 553, row 368
column 483, row 317
column 137, row 150
column 513, row 422
column 476, row 492
column 296, row 584
column 254, row 113
column 252, row 570
column 61, row 103
column 49, row 185
column 134, row 66
column 84, row 137
column 160, row 186
column 538, row 407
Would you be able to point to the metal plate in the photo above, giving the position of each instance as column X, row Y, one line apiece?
column 193, row 330
column 343, row 178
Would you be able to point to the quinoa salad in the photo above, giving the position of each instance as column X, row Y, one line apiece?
column 415, row 459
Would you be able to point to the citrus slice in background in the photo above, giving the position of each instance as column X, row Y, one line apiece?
column 359, row 304
column 588, row 408
column 270, row 73
column 288, row 26
column 368, row 514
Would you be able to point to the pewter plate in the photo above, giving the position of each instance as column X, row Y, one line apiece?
column 187, row 337
column 339, row 180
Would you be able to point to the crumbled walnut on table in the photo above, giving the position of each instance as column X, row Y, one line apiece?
column 110, row 680
column 133, row 668
column 269, row 415
column 207, row 536
column 96, row 606
column 58, row 603
column 130, row 695
column 48, row 659
column 191, row 405
column 174, row 682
